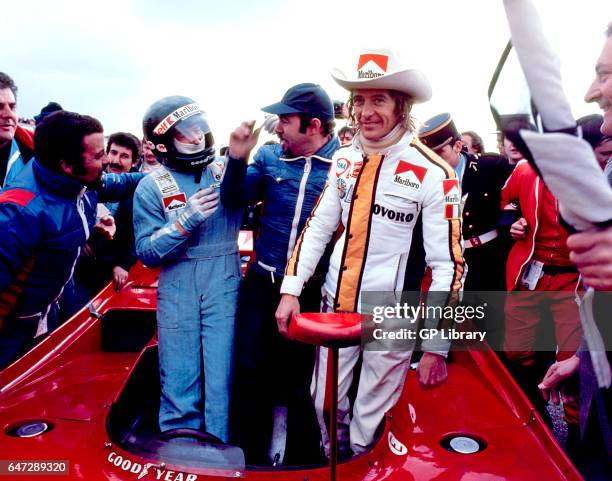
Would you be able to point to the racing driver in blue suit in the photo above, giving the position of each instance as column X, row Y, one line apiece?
column 180, row 226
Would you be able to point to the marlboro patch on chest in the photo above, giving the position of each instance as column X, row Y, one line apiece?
column 174, row 202
column 409, row 175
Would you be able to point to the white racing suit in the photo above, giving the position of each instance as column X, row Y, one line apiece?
column 378, row 200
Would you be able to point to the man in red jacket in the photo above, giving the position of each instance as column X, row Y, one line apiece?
column 539, row 267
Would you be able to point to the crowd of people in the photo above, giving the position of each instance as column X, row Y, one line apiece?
column 379, row 205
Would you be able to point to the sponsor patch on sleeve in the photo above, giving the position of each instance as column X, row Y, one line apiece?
column 409, row 175
column 357, row 165
column 217, row 168
column 451, row 191
column 174, row 202
column 452, row 199
column 452, row 211
column 341, row 188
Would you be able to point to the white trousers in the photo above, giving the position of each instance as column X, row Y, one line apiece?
column 380, row 384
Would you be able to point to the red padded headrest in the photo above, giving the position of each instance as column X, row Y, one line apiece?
column 326, row 329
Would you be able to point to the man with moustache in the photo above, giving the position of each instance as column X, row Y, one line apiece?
column 271, row 370
column 46, row 216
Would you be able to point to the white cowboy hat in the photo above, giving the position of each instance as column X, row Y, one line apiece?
column 379, row 69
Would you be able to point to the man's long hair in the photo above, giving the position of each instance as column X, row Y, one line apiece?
column 403, row 107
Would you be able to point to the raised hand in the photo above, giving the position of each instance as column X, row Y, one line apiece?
column 243, row 139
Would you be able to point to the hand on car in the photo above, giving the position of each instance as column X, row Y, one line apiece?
column 553, row 386
column 431, row 371
column 120, row 277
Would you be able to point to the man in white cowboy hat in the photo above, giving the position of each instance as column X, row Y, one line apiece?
column 389, row 193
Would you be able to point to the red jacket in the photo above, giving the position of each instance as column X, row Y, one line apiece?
column 24, row 137
column 525, row 186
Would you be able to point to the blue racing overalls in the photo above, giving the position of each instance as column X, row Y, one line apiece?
column 196, row 300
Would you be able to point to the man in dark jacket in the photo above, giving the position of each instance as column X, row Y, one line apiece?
column 486, row 248
column 289, row 177
column 46, row 216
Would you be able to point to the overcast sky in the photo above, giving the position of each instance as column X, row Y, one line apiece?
column 113, row 58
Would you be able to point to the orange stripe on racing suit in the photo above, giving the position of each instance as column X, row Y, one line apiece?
column 357, row 236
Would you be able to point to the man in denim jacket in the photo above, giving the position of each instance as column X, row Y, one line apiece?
column 271, row 370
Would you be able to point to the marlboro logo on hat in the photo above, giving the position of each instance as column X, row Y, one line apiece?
column 380, row 69
column 372, row 65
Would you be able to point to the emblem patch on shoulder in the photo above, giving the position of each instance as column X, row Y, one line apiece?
column 342, row 166
column 217, row 168
column 409, row 175
column 452, row 199
column 174, row 202
column 451, row 191
column 341, row 188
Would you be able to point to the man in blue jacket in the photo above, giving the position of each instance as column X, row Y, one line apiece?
column 46, row 216
column 289, row 177
column 104, row 259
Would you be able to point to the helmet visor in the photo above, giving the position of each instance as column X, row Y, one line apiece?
column 192, row 130
column 186, row 118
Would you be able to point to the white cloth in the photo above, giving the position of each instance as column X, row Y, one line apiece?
column 540, row 64
column 572, row 174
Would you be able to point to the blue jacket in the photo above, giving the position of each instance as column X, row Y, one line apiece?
column 289, row 188
column 45, row 219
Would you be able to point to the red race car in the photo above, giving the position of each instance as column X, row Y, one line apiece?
column 83, row 404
